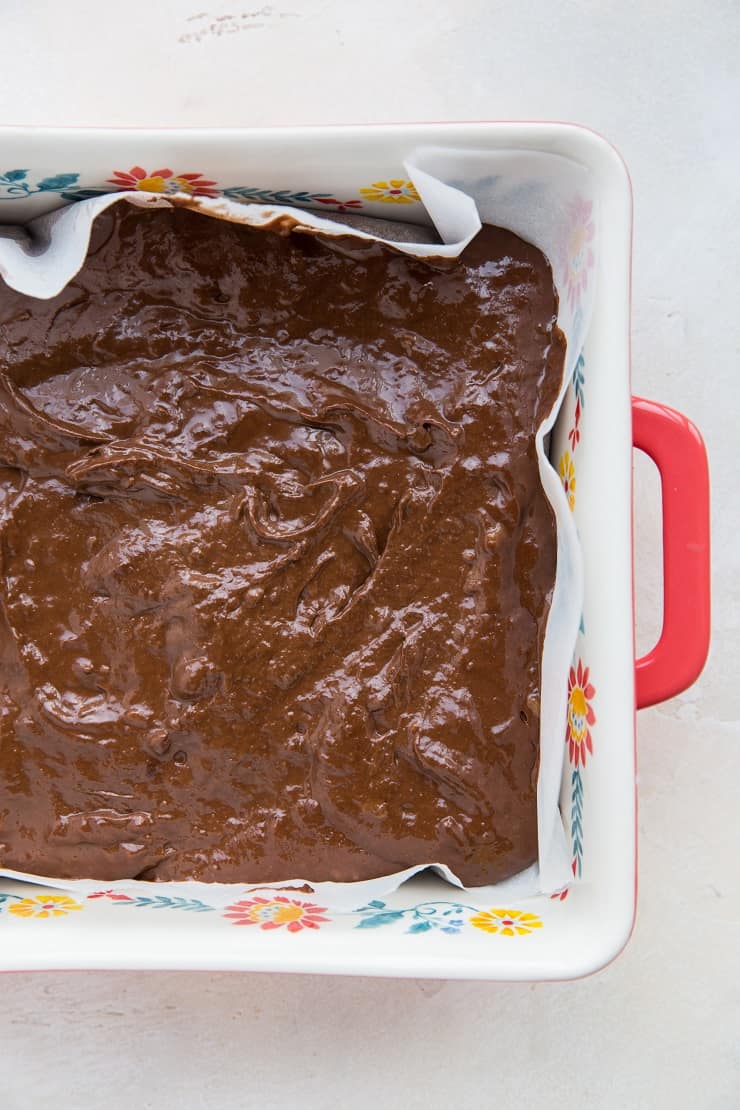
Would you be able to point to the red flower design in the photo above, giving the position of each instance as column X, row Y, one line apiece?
column 580, row 715
column 273, row 913
column 342, row 205
column 164, row 181
column 574, row 434
column 560, row 895
column 110, row 894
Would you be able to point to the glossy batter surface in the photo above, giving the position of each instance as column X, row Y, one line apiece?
column 276, row 561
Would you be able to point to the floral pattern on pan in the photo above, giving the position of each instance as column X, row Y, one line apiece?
column 154, row 901
column 567, row 472
column 19, row 184
column 581, row 716
column 14, row 184
column 394, row 191
column 578, row 380
column 246, row 194
column 276, row 912
column 577, row 255
column 164, row 181
column 567, row 461
column 272, row 912
column 449, row 917
column 509, row 923
column 578, row 738
column 41, row 906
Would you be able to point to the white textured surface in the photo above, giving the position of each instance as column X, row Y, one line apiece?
column 661, row 1026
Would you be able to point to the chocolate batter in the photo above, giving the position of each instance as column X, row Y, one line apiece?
column 276, row 561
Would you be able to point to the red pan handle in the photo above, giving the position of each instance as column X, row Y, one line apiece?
column 677, row 449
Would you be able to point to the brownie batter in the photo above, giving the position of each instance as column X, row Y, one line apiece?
column 275, row 557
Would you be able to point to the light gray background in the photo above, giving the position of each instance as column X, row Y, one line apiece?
column 661, row 1026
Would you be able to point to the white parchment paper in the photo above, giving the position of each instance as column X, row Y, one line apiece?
column 547, row 200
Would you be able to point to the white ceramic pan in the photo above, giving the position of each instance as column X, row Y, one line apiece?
column 422, row 930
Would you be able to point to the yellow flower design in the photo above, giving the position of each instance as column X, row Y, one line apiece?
column 580, row 714
column 151, row 185
column 281, row 915
column 45, row 905
column 394, row 191
column 567, row 472
column 509, row 923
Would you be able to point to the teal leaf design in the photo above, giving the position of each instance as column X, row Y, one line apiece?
column 420, row 927
column 80, row 193
column 378, row 919
column 160, row 902
column 57, row 183
column 13, row 175
column 576, row 818
column 579, row 379
column 246, row 194
column 271, row 196
column 424, row 916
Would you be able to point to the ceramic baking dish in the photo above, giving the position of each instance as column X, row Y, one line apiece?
column 424, row 929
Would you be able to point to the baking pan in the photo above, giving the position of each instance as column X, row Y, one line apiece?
column 426, row 928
